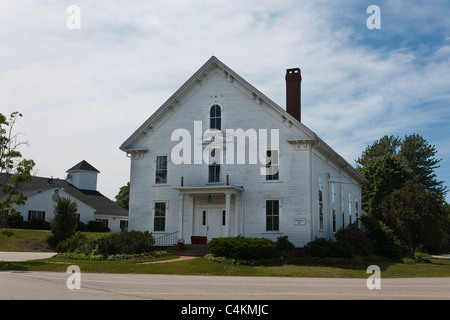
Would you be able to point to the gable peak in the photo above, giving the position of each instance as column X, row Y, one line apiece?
column 83, row 165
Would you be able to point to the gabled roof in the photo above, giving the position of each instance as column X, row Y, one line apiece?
column 128, row 147
column 195, row 78
column 94, row 199
column 83, row 165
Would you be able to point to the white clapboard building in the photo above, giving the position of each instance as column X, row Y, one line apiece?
column 220, row 159
column 80, row 186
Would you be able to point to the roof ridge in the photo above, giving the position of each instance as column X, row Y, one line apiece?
column 83, row 165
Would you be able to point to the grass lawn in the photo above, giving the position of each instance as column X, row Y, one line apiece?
column 22, row 240
column 200, row 266
column 28, row 240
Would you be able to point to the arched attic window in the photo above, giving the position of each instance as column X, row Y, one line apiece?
column 215, row 117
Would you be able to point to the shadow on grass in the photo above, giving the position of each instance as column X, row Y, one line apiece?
column 32, row 265
column 17, row 266
column 359, row 263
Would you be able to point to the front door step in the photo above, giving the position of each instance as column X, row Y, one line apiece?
column 194, row 250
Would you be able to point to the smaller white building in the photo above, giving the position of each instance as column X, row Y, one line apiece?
column 79, row 186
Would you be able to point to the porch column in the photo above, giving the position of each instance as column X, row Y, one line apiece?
column 227, row 212
column 181, row 216
column 237, row 214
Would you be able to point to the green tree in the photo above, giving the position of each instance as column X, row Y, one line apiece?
column 65, row 221
column 416, row 153
column 387, row 145
column 384, row 175
column 416, row 215
column 14, row 171
column 419, row 155
column 123, row 197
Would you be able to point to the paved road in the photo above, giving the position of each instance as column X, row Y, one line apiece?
column 53, row 286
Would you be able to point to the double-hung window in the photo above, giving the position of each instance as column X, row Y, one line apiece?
column 159, row 222
column 36, row 215
column 214, row 173
column 213, row 168
column 272, row 215
column 161, row 169
column 272, row 165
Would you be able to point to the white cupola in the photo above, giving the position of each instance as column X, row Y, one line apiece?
column 83, row 176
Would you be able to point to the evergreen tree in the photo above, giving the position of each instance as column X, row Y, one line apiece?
column 65, row 221
column 416, row 154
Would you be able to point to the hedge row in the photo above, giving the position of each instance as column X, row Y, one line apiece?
column 371, row 237
column 243, row 248
column 116, row 243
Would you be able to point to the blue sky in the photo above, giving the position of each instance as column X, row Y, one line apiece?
column 83, row 92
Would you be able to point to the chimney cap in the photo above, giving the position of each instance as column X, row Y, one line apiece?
column 293, row 70
column 293, row 73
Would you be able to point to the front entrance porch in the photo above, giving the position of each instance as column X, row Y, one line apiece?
column 210, row 211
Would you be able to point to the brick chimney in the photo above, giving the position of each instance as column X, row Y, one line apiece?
column 293, row 92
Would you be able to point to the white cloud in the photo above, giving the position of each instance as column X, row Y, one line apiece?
column 83, row 92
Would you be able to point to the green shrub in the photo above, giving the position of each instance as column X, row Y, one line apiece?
column 341, row 249
column 373, row 237
column 14, row 220
column 96, row 226
column 64, row 223
column 284, row 245
column 78, row 243
column 125, row 242
column 38, row 224
column 243, row 248
column 98, row 257
column 319, row 247
column 383, row 240
column 117, row 243
column 356, row 238
column 323, row 248
column 81, row 226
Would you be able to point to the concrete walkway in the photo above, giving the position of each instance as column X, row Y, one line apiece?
column 24, row 256
column 442, row 256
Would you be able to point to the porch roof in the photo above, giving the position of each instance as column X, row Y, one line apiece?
column 208, row 189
